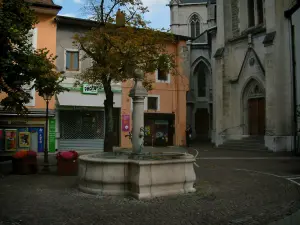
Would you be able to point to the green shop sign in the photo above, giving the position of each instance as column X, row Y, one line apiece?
column 52, row 134
column 89, row 89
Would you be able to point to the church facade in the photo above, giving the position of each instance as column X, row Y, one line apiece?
column 243, row 64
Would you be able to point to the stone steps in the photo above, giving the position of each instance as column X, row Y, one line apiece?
column 252, row 143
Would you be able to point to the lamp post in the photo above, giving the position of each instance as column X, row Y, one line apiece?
column 47, row 97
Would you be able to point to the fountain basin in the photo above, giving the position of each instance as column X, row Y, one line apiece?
column 141, row 176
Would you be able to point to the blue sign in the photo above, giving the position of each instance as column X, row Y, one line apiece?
column 40, row 139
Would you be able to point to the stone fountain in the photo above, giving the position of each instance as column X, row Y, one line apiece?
column 139, row 174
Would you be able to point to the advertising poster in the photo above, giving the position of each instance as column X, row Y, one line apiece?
column 24, row 139
column 10, row 139
column 126, row 123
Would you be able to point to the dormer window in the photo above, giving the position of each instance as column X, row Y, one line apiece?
column 195, row 26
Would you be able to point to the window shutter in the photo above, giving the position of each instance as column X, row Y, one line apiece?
column 76, row 60
column 68, row 60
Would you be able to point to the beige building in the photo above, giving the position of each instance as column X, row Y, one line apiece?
column 246, row 55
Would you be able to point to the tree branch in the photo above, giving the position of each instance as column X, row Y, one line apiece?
column 102, row 11
column 111, row 9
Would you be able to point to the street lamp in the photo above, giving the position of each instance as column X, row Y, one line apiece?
column 47, row 97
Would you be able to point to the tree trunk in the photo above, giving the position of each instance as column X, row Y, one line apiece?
column 109, row 122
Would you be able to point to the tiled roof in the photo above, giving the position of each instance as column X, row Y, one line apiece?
column 44, row 3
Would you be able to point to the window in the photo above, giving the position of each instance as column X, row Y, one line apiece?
column 251, row 13
column 195, row 26
column 162, row 76
column 200, row 76
column 31, row 92
column 152, row 103
column 72, row 60
column 32, row 38
column 255, row 12
column 260, row 11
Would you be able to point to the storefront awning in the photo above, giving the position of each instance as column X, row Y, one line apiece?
column 85, row 100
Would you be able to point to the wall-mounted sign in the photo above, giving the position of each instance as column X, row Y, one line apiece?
column 126, row 123
column 90, row 89
column 52, row 134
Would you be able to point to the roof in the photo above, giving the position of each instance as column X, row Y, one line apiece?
column 44, row 4
column 91, row 23
column 288, row 13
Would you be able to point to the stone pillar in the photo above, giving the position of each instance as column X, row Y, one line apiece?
column 138, row 94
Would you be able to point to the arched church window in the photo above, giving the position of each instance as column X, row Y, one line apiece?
column 195, row 26
column 200, row 73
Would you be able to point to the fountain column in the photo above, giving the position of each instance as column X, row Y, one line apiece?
column 138, row 94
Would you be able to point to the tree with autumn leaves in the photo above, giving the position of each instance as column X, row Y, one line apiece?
column 21, row 65
column 121, row 43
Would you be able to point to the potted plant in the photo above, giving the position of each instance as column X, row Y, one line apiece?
column 67, row 164
column 25, row 162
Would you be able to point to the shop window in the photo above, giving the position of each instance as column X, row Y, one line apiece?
column 152, row 103
column 72, row 60
column 162, row 76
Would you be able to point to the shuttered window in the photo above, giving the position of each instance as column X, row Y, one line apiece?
column 72, row 61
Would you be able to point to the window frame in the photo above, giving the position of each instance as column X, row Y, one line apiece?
column 65, row 60
column 193, row 22
column 259, row 16
column 168, row 80
column 146, row 103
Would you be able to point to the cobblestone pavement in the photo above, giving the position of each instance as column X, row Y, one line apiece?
column 247, row 188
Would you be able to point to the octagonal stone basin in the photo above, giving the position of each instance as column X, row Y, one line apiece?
column 141, row 176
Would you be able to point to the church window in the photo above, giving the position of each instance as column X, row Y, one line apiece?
column 200, row 75
column 251, row 13
column 195, row 26
column 260, row 11
column 255, row 12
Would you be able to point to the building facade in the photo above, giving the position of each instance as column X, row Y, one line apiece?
column 165, row 105
column 191, row 18
column 80, row 112
column 246, row 53
column 28, row 132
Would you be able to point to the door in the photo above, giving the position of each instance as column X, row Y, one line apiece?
column 256, row 116
column 202, row 123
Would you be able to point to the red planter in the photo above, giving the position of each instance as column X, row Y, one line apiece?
column 27, row 165
column 67, row 167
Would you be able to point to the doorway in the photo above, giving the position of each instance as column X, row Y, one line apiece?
column 254, row 108
column 256, row 116
column 202, row 123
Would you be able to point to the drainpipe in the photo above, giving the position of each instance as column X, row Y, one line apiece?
column 295, row 130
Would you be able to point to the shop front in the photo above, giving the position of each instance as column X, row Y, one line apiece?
column 159, row 129
column 81, row 119
column 25, row 133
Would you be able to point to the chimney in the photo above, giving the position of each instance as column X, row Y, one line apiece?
column 120, row 19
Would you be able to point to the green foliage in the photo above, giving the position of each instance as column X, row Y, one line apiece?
column 20, row 64
column 117, row 51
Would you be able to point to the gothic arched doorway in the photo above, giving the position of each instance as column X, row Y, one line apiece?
column 254, row 108
column 202, row 85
